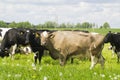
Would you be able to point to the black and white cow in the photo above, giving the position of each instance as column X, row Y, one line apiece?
column 33, row 38
column 13, row 38
column 20, row 49
column 114, row 40
column 2, row 33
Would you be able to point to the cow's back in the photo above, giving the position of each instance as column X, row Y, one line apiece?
column 3, row 32
column 70, row 42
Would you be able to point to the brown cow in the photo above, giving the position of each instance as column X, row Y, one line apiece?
column 64, row 44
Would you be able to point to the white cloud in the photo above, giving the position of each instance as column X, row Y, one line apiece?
column 39, row 11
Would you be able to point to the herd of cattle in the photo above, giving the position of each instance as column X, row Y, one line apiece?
column 61, row 45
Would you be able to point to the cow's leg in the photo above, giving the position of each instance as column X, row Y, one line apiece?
column 13, row 50
column 72, row 60
column 62, row 60
column 101, row 61
column 94, row 61
column 118, row 57
column 40, row 54
column 35, row 58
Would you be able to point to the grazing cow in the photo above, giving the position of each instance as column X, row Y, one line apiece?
column 11, row 40
column 21, row 49
column 64, row 44
column 114, row 40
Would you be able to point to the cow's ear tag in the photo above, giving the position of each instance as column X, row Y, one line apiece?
column 37, row 35
column 21, row 33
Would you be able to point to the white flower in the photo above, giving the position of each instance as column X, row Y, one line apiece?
column 28, row 60
column 110, row 76
column 3, row 63
column 115, row 78
column 60, row 73
column 47, row 64
column 18, row 64
column 33, row 65
column 95, row 73
column 40, row 68
column 17, row 75
column 114, row 74
column 102, row 75
column 9, row 75
column 118, row 76
column 34, row 68
column 45, row 78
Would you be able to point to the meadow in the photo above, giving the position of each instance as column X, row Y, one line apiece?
column 23, row 68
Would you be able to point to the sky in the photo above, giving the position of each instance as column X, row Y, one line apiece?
column 61, row 11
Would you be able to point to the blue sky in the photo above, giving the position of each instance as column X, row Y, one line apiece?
column 72, row 11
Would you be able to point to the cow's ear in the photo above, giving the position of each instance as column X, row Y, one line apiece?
column 51, row 35
column 37, row 35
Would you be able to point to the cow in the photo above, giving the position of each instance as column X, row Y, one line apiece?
column 2, row 33
column 33, row 37
column 114, row 40
column 65, row 44
column 20, row 49
column 34, row 41
column 11, row 40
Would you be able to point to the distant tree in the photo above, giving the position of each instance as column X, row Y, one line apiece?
column 86, row 25
column 106, row 25
column 91, row 25
column 78, row 25
column 13, row 25
column 24, row 25
column 63, row 25
column 50, row 24
column 3, row 24
column 101, row 27
column 69, row 25
column 39, row 26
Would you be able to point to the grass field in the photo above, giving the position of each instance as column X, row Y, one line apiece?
column 22, row 68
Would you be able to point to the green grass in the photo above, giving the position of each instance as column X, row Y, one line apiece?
column 22, row 68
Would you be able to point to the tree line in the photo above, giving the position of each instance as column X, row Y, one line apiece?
column 51, row 24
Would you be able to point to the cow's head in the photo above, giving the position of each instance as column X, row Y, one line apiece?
column 22, row 36
column 33, row 36
column 45, row 36
column 108, row 37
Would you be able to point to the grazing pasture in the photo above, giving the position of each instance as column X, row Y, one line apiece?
column 22, row 67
